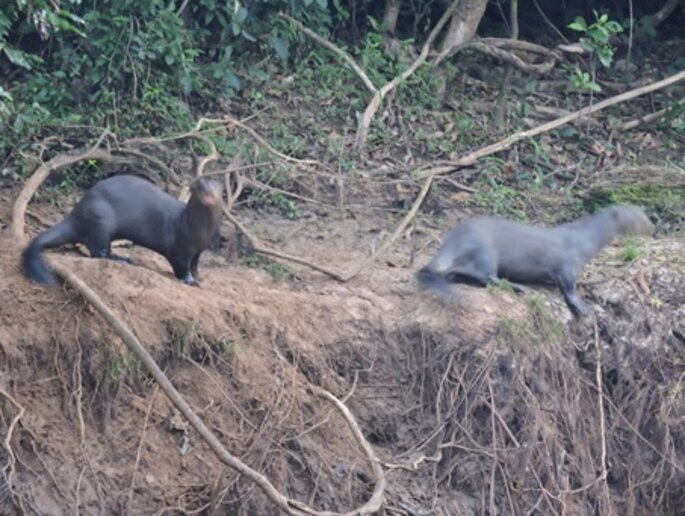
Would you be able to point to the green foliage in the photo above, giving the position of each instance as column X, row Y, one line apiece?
column 136, row 66
column 278, row 271
column 596, row 40
column 501, row 285
column 597, row 36
column 39, row 16
column 665, row 201
column 547, row 324
column 271, row 197
column 499, row 198
column 583, row 80
column 121, row 366
column 630, row 251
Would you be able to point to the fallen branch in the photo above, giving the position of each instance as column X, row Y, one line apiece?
column 398, row 230
column 602, row 422
column 379, row 95
column 376, row 500
column 514, row 60
column 259, row 247
column 157, row 162
column 472, row 157
column 261, row 141
column 330, row 46
column 61, row 161
column 651, row 117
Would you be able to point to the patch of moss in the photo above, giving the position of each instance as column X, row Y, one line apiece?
column 665, row 202
column 122, row 365
column 278, row 271
column 188, row 341
column 543, row 326
column 546, row 324
column 501, row 285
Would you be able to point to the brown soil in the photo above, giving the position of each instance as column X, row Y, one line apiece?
column 486, row 407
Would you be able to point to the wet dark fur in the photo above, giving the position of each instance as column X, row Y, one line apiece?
column 128, row 207
column 485, row 249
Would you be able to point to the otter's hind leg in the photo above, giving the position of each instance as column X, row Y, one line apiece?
column 479, row 266
column 566, row 280
column 101, row 247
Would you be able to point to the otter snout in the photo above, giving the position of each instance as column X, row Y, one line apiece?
column 208, row 192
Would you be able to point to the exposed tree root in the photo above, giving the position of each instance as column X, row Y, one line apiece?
column 8, row 469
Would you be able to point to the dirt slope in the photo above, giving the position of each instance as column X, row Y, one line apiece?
column 486, row 407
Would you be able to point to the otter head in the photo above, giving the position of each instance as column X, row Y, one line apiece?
column 631, row 220
column 207, row 192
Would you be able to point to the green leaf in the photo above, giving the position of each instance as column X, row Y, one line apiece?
column 233, row 81
column 248, row 36
column 614, row 27
column 587, row 44
column 186, row 83
column 322, row 3
column 17, row 57
column 241, row 15
column 5, row 24
column 280, row 45
column 5, row 94
column 578, row 24
column 169, row 59
column 605, row 56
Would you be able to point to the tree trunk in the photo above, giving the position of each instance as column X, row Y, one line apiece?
column 392, row 11
column 463, row 23
column 665, row 11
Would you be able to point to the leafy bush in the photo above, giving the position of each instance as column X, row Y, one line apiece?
column 134, row 65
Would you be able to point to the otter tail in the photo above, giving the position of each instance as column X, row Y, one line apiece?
column 432, row 280
column 32, row 262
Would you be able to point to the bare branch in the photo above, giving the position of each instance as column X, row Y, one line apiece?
column 333, row 48
column 472, row 157
column 61, row 161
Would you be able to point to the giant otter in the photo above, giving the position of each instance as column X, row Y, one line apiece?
column 485, row 249
column 129, row 207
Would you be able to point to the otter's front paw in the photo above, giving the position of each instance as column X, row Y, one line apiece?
column 189, row 280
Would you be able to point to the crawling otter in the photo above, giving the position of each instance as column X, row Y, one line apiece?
column 128, row 207
column 485, row 249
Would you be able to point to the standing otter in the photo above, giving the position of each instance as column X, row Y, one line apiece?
column 485, row 249
column 135, row 209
